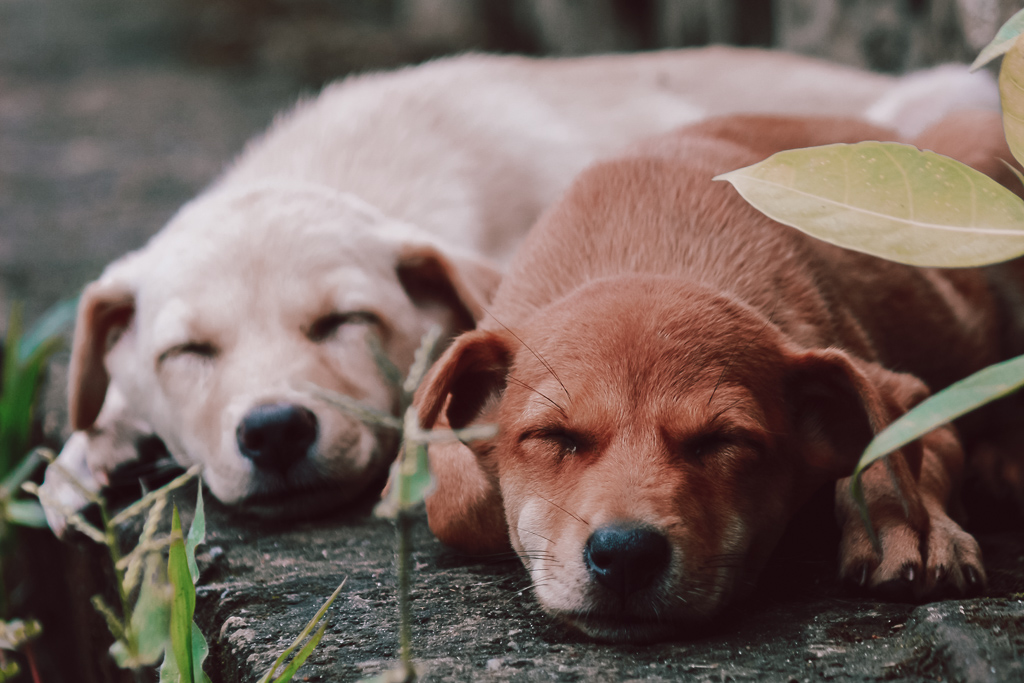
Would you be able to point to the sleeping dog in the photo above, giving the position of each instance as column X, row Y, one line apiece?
column 673, row 374
column 385, row 205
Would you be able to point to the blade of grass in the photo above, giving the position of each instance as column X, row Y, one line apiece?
column 49, row 326
column 151, row 615
column 9, row 385
column 12, row 482
column 196, row 535
column 183, row 604
column 26, row 513
column 302, row 656
column 269, row 676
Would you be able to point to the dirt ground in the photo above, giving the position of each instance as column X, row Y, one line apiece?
column 104, row 132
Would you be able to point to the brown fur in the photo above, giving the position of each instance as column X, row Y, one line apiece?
column 662, row 355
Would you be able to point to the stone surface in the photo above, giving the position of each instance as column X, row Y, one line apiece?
column 475, row 618
column 105, row 129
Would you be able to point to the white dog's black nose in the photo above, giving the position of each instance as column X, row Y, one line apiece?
column 275, row 435
column 625, row 559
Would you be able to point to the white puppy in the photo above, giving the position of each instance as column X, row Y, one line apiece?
column 385, row 205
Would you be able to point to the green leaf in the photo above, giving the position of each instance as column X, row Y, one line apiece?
column 8, row 671
column 982, row 387
column 11, row 390
column 26, row 513
column 169, row 669
column 955, row 400
column 888, row 200
column 183, row 604
column 1005, row 37
column 200, row 651
column 417, row 478
column 19, row 474
column 151, row 616
column 196, row 535
column 410, row 481
column 1011, row 92
column 50, row 325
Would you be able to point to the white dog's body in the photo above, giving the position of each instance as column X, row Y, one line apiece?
column 385, row 204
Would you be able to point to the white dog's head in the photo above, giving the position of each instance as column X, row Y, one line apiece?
column 211, row 331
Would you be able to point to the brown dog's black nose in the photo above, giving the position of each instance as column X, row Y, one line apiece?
column 276, row 435
column 626, row 559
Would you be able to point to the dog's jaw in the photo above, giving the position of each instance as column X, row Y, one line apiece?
column 684, row 596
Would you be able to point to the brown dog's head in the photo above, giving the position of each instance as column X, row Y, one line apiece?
column 655, row 437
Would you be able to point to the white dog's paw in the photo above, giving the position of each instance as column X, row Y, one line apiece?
column 59, row 495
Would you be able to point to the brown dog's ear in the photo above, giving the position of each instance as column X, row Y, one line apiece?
column 105, row 310
column 465, row 510
column 469, row 373
column 460, row 285
column 838, row 403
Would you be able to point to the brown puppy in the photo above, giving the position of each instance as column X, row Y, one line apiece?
column 673, row 374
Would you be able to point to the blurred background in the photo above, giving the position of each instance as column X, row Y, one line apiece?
column 113, row 113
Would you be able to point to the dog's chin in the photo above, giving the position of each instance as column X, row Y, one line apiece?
column 295, row 504
column 640, row 622
column 625, row 629
column 282, row 499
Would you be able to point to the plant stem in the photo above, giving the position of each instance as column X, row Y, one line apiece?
column 403, row 524
column 110, row 534
column 31, row 657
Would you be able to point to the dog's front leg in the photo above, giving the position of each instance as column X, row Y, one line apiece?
column 89, row 456
column 925, row 554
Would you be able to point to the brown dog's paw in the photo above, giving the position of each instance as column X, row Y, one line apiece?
column 943, row 562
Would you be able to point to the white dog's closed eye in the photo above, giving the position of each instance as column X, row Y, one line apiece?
column 190, row 349
column 326, row 327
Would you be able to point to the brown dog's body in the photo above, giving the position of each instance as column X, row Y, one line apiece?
column 673, row 374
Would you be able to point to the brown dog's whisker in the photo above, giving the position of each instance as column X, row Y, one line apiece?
column 526, row 386
column 571, row 514
column 536, row 534
column 547, row 366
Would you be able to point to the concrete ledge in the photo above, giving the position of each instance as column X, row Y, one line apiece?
column 477, row 619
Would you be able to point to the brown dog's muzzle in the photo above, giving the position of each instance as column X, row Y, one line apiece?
column 626, row 558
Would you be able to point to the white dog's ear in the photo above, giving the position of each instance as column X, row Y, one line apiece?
column 105, row 311
column 461, row 284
